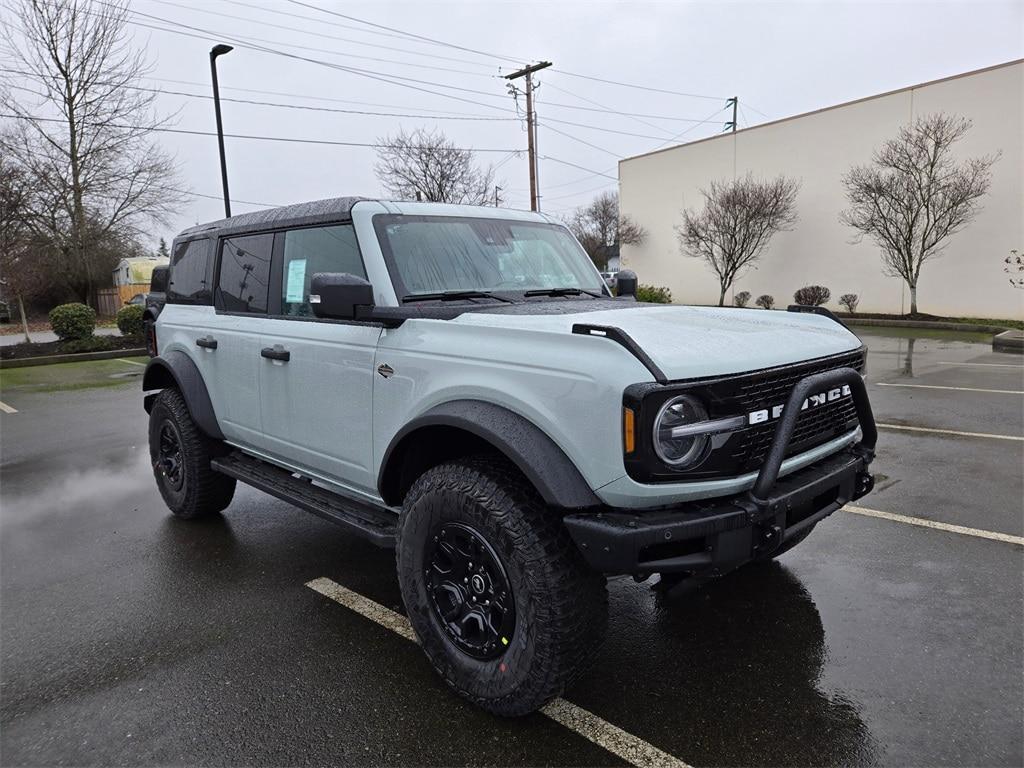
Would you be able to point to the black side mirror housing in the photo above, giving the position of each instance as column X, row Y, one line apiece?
column 158, row 280
column 625, row 283
column 339, row 295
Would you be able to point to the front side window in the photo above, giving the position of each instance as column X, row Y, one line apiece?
column 435, row 254
column 311, row 250
column 244, row 281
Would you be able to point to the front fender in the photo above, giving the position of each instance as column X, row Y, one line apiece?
column 536, row 455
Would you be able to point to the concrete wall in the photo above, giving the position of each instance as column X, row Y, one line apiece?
column 817, row 148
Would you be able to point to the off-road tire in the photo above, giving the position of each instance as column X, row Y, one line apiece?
column 561, row 605
column 786, row 546
column 203, row 491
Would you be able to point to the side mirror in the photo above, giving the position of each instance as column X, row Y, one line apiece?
column 625, row 283
column 158, row 280
column 339, row 295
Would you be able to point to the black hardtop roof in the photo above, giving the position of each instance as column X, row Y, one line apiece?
column 297, row 215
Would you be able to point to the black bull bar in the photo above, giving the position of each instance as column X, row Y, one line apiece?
column 712, row 536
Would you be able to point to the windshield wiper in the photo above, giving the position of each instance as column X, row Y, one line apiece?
column 453, row 296
column 563, row 292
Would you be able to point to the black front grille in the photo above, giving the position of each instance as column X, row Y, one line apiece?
column 744, row 450
column 815, row 426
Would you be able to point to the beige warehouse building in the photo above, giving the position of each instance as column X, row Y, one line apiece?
column 818, row 148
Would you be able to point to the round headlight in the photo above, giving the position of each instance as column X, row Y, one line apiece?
column 679, row 451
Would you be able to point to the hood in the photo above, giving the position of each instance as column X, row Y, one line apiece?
column 689, row 342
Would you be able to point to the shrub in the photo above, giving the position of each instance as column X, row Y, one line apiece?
column 812, row 295
column 850, row 301
column 742, row 298
column 88, row 344
column 765, row 301
column 653, row 294
column 129, row 320
column 73, row 321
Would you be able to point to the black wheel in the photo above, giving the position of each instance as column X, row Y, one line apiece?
column 504, row 606
column 180, row 454
column 786, row 546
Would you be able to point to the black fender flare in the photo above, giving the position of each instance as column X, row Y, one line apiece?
column 176, row 369
column 536, row 455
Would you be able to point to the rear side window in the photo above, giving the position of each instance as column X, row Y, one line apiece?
column 312, row 250
column 244, row 281
column 189, row 279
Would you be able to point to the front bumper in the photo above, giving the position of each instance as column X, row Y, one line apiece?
column 715, row 536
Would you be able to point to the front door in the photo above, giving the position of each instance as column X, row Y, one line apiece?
column 317, row 403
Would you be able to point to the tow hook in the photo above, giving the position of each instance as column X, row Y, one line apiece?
column 863, row 484
column 769, row 539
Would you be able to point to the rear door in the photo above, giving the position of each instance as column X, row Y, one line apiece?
column 317, row 404
column 228, row 347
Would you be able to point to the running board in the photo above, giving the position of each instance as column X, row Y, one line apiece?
column 377, row 524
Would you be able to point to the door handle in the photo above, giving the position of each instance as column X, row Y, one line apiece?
column 276, row 352
column 207, row 342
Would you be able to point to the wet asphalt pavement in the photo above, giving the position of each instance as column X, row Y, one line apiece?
column 130, row 638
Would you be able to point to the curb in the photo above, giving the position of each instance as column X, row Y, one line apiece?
column 1009, row 341
column 79, row 357
column 933, row 324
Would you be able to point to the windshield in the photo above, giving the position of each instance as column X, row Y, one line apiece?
column 439, row 254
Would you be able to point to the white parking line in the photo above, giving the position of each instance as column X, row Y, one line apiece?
column 989, row 365
column 905, row 428
column 948, row 527
column 6, row 408
column 625, row 745
column 958, row 389
column 130, row 362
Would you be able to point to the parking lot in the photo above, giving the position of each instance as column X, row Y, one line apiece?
column 893, row 636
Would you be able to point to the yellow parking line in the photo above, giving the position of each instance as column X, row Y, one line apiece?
column 905, row 428
column 130, row 362
column 6, row 408
column 948, row 527
column 620, row 743
column 957, row 389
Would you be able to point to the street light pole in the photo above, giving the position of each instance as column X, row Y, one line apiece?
column 219, row 50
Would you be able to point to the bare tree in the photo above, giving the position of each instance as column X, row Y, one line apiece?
column 914, row 195
column 601, row 229
column 850, row 302
column 765, row 301
column 83, row 131
column 812, row 295
column 739, row 219
column 20, row 273
column 426, row 165
column 741, row 299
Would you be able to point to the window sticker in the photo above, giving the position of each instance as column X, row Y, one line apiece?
column 295, row 291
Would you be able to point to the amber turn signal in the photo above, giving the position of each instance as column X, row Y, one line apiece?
column 628, row 430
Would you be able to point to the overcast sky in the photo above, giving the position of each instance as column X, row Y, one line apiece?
column 780, row 59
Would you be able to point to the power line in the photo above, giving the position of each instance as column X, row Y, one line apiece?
column 241, row 43
column 581, row 141
column 331, row 37
column 207, row 97
column 640, row 87
column 403, row 32
column 607, row 109
column 253, row 137
column 591, row 171
column 326, row 22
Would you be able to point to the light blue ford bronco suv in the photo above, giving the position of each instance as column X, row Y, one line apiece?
column 460, row 384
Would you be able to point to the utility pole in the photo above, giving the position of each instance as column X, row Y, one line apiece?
column 527, row 72
column 497, row 189
column 220, row 50
column 734, row 101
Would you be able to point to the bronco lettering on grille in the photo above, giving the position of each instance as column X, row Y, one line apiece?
column 770, row 414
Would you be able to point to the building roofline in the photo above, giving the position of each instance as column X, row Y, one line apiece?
column 973, row 72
